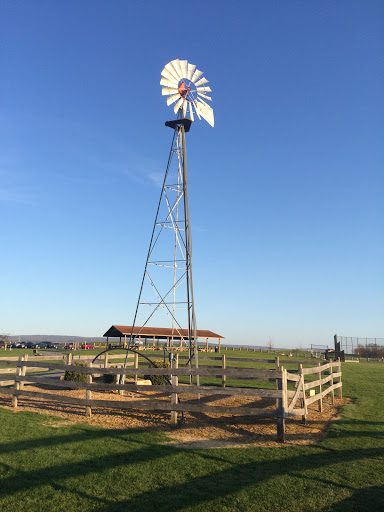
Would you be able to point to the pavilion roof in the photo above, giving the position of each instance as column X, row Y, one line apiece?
column 115, row 331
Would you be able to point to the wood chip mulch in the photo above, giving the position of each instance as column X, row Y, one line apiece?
column 199, row 430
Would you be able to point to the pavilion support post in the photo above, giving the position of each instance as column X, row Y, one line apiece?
column 207, row 344
column 219, row 344
column 153, row 342
column 125, row 341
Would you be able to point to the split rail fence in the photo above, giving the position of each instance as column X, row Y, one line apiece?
column 291, row 396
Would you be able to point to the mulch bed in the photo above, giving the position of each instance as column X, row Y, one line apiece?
column 199, row 430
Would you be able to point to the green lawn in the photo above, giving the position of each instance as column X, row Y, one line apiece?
column 47, row 465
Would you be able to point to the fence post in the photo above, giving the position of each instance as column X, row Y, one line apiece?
column 69, row 358
column 320, row 401
column 174, row 382
column 136, row 364
column 88, row 392
column 106, row 360
column 223, row 366
column 23, row 370
column 277, row 367
column 16, row 386
column 281, row 407
column 302, row 400
column 331, row 384
column 340, row 389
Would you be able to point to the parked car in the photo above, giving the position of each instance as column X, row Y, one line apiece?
column 30, row 344
column 87, row 346
column 47, row 345
column 69, row 346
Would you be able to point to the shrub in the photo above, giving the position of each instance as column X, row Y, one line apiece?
column 109, row 378
column 158, row 380
column 76, row 376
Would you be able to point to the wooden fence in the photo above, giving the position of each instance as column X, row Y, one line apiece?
column 291, row 396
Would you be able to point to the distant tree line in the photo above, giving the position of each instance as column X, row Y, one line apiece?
column 371, row 350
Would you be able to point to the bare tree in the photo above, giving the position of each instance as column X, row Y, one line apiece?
column 4, row 339
column 270, row 344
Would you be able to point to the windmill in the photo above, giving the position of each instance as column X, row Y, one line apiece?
column 167, row 284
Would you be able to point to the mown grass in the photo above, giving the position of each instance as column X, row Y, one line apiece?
column 48, row 465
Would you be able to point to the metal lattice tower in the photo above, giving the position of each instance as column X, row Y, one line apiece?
column 167, row 284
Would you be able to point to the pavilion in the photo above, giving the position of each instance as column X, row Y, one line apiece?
column 153, row 335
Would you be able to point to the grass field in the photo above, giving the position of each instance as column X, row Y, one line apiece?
column 48, row 465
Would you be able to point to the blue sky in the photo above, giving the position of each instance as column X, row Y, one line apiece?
column 286, row 192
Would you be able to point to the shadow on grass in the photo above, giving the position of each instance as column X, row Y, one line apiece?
column 368, row 499
column 185, row 491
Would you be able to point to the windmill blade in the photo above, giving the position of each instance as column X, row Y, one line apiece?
column 191, row 111
column 196, row 75
column 202, row 81
column 204, row 96
column 168, row 90
column 185, row 105
column 165, row 81
column 203, row 89
column 172, row 99
column 171, row 70
column 203, row 103
column 196, row 109
column 184, row 68
column 191, row 69
column 176, row 64
column 166, row 74
column 205, row 111
column 178, row 105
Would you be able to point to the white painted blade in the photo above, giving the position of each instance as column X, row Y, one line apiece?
column 204, row 96
column 199, row 100
column 196, row 110
column 202, row 81
column 205, row 111
column 191, row 69
column 172, row 99
column 185, row 108
column 196, row 75
column 166, row 74
column 191, row 111
column 203, row 89
column 184, row 68
column 171, row 70
column 171, row 85
column 176, row 64
column 178, row 105
column 168, row 90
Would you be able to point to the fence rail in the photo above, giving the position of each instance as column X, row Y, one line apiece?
column 288, row 402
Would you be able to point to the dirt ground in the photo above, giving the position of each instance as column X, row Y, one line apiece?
column 199, row 430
